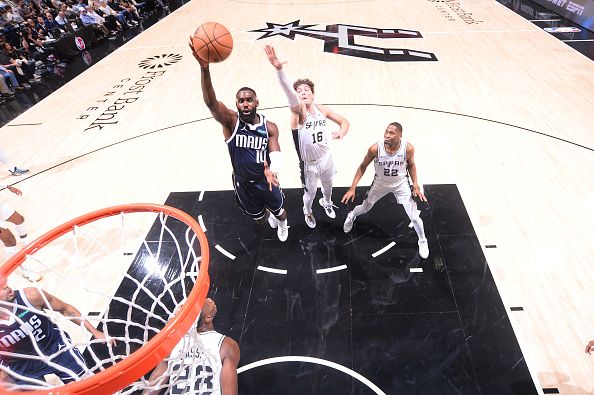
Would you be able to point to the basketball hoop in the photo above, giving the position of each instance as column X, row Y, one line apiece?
column 168, row 301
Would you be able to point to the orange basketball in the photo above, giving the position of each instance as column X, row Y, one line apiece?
column 213, row 42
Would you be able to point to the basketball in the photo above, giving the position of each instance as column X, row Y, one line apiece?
column 212, row 42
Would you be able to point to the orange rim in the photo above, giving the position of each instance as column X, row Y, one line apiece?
column 148, row 356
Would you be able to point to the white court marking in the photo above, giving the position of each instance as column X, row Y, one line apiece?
column 225, row 252
column 201, row 196
column 386, row 248
column 317, row 361
column 416, row 270
column 331, row 269
column 272, row 270
column 201, row 223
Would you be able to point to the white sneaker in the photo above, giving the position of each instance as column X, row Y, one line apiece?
column 272, row 221
column 328, row 208
column 310, row 220
column 283, row 232
column 349, row 222
column 423, row 248
column 30, row 274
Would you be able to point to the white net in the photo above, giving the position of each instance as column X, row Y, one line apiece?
column 128, row 275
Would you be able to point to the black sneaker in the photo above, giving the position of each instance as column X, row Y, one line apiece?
column 18, row 172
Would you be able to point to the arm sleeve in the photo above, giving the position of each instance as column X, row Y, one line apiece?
column 276, row 161
column 287, row 88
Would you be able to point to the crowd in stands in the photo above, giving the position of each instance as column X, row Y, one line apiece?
column 28, row 28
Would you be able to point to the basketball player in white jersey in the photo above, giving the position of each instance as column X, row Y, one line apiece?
column 210, row 361
column 393, row 158
column 311, row 134
column 9, row 214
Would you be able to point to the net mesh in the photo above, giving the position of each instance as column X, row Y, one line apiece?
column 127, row 282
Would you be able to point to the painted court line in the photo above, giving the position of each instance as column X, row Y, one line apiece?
column 386, row 248
column 224, row 252
column 331, row 269
column 271, row 270
column 317, row 361
column 201, row 196
column 416, row 270
column 201, row 223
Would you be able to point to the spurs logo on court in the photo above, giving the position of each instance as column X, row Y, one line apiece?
column 159, row 61
column 340, row 39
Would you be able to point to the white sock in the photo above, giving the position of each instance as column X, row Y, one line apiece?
column 21, row 229
column 10, row 251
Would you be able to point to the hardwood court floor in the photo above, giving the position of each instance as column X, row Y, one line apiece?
column 509, row 126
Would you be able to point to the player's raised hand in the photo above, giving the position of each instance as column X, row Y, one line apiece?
column 349, row 196
column 203, row 63
column 271, row 53
column 270, row 176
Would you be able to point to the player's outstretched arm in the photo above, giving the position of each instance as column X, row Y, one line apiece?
column 156, row 377
column 296, row 106
column 43, row 299
column 350, row 194
column 412, row 170
column 219, row 111
column 337, row 119
column 230, row 356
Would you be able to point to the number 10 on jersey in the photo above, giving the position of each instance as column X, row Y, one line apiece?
column 260, row 156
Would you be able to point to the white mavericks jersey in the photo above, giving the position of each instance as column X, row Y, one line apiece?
column 201, row 373
column 313, row 137
column 390, row 169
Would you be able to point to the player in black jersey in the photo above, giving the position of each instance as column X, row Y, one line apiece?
column 255, row 153
column 25, row 330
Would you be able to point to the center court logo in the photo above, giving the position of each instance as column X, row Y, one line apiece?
column 159, row 61
column 340, row 39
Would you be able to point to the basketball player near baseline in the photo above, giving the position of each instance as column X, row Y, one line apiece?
column 210, row 364
column 9, row 214
column 252, row 141
column 310, row 134
column 21, row 327
column 392, row 158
